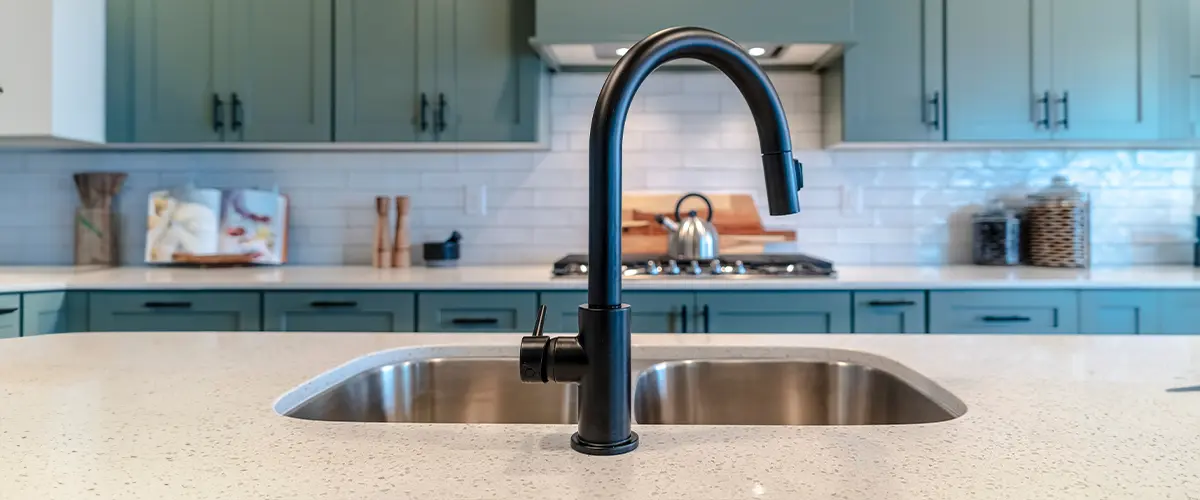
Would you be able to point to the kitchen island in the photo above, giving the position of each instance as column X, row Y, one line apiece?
column 191, row 416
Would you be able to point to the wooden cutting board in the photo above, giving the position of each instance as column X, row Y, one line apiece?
column 735, row 216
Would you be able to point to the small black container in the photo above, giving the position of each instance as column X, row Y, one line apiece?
column 442, row 253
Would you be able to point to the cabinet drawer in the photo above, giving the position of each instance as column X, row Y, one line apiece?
column 889, row 312
column 476, row 311
column 10, row 316
column 339, row 311
column 772, row 312
column 1004, row 312
column 174, row 311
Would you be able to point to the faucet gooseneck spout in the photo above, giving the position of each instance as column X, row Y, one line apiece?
column 598, row 358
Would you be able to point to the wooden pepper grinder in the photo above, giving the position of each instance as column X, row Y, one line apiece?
column 401, row 247
column 381, row 257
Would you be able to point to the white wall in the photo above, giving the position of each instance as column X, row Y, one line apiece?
column 687, row 131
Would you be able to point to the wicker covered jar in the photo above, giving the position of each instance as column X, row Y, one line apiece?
column 1060, row 225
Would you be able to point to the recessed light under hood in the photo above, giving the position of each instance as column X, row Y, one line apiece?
column 607, row 54
column 793, row 33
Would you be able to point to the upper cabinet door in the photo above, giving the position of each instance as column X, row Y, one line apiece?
column 180, row 70
column 1118, row 66
column 894, row 73
column 1098, row 65
column 281, row 87
column 487, row 74
column 385, row 84
column 996, row 70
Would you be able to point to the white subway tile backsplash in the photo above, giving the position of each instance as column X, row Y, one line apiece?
column 686, row 131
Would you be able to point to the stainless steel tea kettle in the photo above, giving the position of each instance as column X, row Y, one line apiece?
column 692, row 238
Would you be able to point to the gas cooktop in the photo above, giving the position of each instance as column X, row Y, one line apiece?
column 724, row 266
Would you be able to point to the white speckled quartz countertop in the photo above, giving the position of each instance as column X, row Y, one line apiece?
column 189, row 416
column 28, row 279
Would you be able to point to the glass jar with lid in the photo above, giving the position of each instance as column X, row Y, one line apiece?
column 1059, row 217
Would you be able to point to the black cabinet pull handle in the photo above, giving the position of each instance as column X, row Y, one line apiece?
column 1065, row 122
column 891, row 303
column 683, row 319
column 326, row 304
column 238, row 117
column 704, row 311
column 218, row 114
column 441, row 113
column 1044, row 121
column 424, row 112
column 168, row 305
column 475, row 321
column 936, row 102
column 8, row 310
column 1006, row 319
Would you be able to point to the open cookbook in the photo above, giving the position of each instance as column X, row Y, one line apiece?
column 213, row 226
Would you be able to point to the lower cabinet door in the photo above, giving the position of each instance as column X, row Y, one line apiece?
column 1180, row 312
column 1126, row 312
column 174, row 311
column 44, row 313
column 662, row 312
column 889, row 312
column 562, row 311
column 10, row 316
column 1025, row 311
column 499, row 312
column 651, row 312
column 339, row 312
column 773, row 312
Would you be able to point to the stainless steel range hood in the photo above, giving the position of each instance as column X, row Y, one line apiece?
column 591, row 34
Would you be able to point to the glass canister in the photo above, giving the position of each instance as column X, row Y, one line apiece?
column 996, row 232
column 1060, row 226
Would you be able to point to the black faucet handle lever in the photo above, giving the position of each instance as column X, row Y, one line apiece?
column 799, row 167
column 540, row 323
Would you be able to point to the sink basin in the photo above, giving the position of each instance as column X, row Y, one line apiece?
column 443, row 390
column 751, row 391
column 782, row 392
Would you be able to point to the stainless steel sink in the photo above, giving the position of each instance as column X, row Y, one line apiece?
column 782, row 392
column 443, row 390
column 705, row 392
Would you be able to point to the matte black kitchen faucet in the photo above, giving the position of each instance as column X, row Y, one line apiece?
column 598, row 358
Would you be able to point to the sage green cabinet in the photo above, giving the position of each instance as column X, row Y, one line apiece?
column 1126, row 312
column 487, row 74
column 1024, row 311
column 994, row 70
column 1066, row 69
column 772, row 312
column 444, row 70
column 889, row 312
column 651, row 311
column 220, row 70
column 893, row 75
column 329, row 311
column 179, row 62
column 1180, row 312
column 662, row 312
column 10, row 316
column 384, row 77
column 45, row 313
column 281, row 80
column 174, row 311
column 476, row 311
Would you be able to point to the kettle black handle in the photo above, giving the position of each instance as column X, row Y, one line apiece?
column 707, row 203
